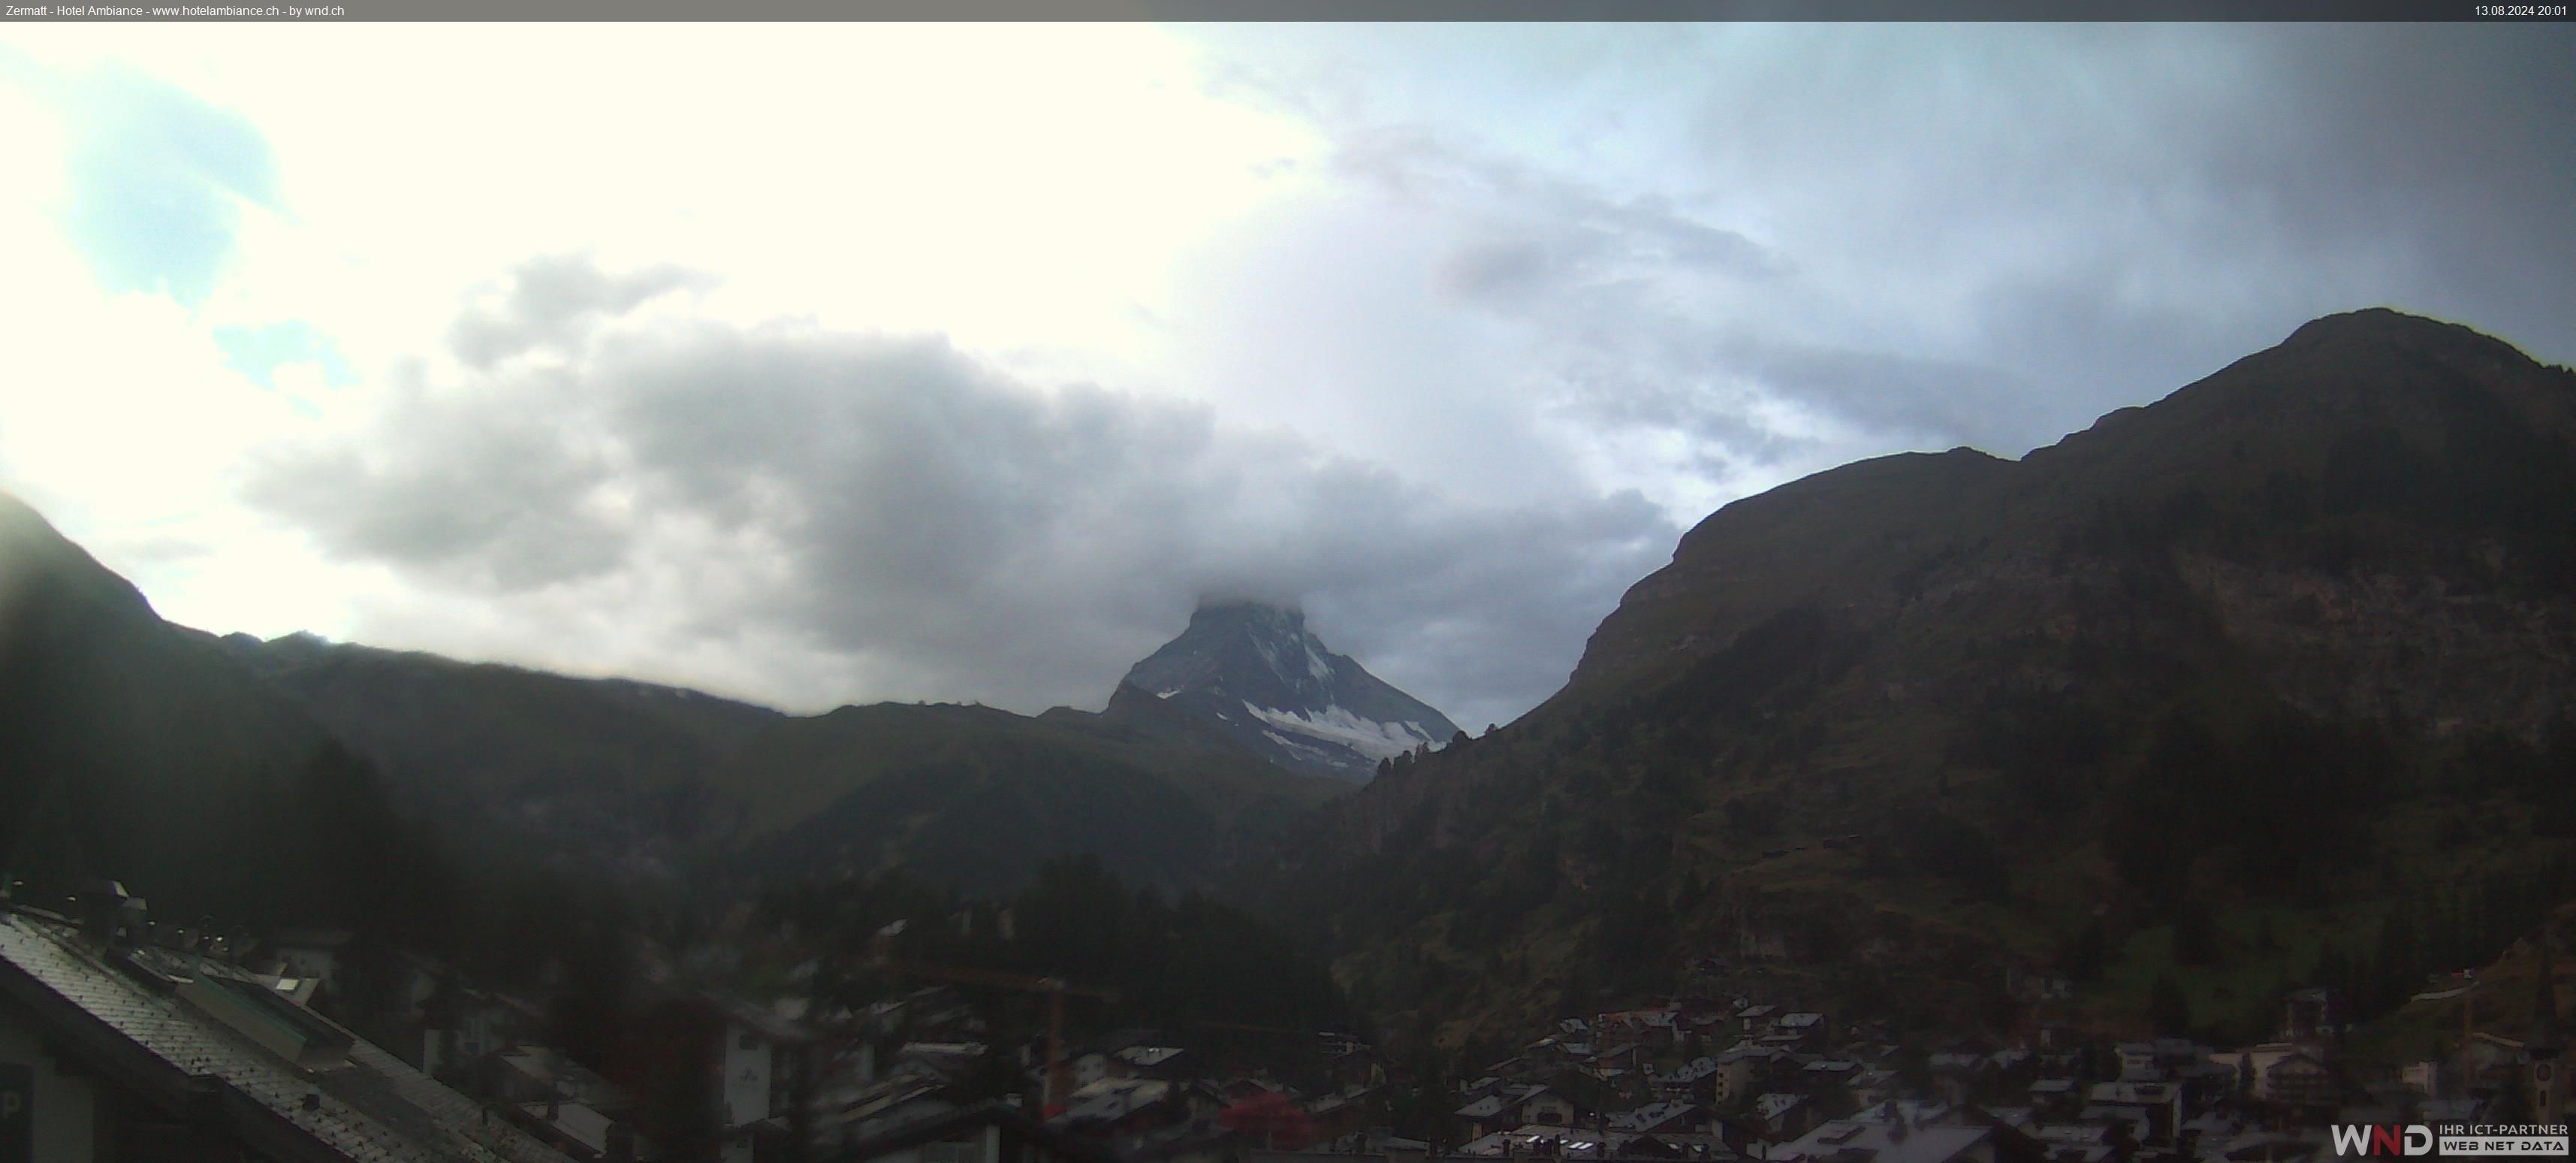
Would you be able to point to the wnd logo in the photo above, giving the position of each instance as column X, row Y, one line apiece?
column 2352, row 1139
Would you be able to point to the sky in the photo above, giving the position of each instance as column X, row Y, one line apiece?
column 847, row 363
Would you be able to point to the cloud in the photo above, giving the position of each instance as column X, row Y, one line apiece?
column 1738, row 253
column 554, row 299
column 1384, row 300
column 942, row 527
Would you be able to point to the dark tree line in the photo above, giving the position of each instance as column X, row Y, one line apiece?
column 2443, row 930
column 1172, row 961
column 2287, row 795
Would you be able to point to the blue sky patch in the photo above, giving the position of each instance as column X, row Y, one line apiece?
column 156, row 176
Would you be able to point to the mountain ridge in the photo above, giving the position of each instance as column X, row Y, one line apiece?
column 649, row 781
column 1921, row 705
column 1258, row 677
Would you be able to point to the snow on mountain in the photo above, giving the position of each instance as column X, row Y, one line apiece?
column 1366, row 736
column 1309, row 709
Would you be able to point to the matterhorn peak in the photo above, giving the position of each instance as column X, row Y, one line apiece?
column 1255, row 672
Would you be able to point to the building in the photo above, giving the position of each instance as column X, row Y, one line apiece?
column 1803, row 1028
column 1740, row 1068
column 1484, row 1116
column 2302, row 1080
column 565, row 1104
column 2307, row 1015
column 1549, row 1107
column 1897, row 1140
column 762, row 1058
column 119, row 1048
column 989, row 1132
column 2260, row 1059
column 2156, row 1107
column 1782, row 1114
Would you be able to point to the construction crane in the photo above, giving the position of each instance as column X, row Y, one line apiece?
column 1055, row 989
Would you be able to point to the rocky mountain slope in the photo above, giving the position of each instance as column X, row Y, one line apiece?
column 2197, row 693
column 1255, row 674
column 144, row 752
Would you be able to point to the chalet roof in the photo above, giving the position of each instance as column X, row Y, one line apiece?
column 768, row 1025
column 1530, row 1092
column 2298, row 1061
column 1689, row 1072
column 122, row 1025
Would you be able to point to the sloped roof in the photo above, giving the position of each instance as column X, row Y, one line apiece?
column 1650, row 1116
column 375, row 1108
column 1885, row 1142
column 1148, row 1056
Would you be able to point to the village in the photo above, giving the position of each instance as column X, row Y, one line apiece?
column 929, row 1075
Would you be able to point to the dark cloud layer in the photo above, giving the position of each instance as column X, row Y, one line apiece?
column 1872, row 238
column 964, row 533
